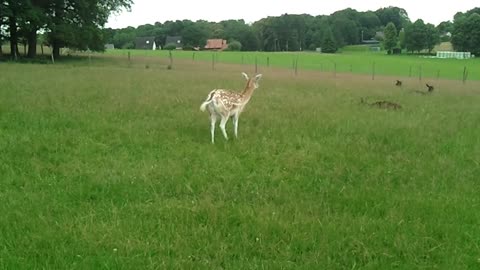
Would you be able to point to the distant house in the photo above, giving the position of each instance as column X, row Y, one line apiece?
column 373, row 44
column 145, row 43
column 379, row 35
column 177, row 40
column 109, row 47
column 216, row 44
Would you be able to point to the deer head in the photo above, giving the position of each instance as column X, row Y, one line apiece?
column 252, row 82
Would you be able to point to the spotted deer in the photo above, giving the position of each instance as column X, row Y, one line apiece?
column 224, row 104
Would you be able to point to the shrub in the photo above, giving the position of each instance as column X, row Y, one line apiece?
column 129, row 45
column 170, row 46
column 396, row 51
column 234, row 45
column 188, row 48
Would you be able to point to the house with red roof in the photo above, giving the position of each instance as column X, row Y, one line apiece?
column 216, row 44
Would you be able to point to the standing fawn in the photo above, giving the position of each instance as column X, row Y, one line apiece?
column 224, row 104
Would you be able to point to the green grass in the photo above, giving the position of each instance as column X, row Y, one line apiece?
column 349, row 61
column 355, row 49
column 109, row 167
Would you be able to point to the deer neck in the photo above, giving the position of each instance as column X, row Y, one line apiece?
column 248, row 92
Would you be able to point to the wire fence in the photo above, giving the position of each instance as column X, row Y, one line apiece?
column 262, row 61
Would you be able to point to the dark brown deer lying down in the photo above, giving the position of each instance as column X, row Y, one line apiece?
column 398, row 83
column 420, row 92
column 430, row 87
column 383, row 104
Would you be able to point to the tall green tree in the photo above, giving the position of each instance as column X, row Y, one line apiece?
column 35, row 19
column 415, row 36
column 390, row 40
column 466, row 32
column 401, row 39
column 369, row 24
column 195, row 33
column 77, row 24
column 445, row 30
column 125, row 38
column 313, row 37
column 445, row 27
column 3, row 21
column 14, row 12
column 397, row 15
column 432, row 37
column 346, row 31
column 328, row 41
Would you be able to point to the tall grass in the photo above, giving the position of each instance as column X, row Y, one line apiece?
column 105, row 166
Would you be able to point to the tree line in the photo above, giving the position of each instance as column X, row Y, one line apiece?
column 290, row 32
column 287, row 32
column 79, row 24
column 57, row 23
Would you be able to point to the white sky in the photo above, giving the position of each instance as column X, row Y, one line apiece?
column 151, row 11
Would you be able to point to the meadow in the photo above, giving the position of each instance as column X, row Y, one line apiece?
column 351, row 60
column 108, row 165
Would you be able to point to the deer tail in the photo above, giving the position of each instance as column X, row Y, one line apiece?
column 207, row 101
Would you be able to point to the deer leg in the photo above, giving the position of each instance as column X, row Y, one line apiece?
column 223, row 122
column 235, row 124
column 213, row 121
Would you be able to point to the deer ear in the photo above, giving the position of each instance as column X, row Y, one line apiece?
column 258, row 77
column 245, row 75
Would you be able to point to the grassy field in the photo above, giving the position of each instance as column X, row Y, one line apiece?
column 109, row 167
column 347, row 62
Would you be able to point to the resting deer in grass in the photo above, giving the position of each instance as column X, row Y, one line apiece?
column 224, row 104
column 382, row 104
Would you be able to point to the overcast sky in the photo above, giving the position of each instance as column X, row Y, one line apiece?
column 151, row 11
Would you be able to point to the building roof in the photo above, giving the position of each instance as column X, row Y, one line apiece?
column 219, row 44
column 380, row 34
column 144, row 42
column 177, row 40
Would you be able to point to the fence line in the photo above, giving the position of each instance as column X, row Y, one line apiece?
column 419, row 71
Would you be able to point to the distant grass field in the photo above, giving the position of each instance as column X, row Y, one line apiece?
column 109, row 167
column 350, row 61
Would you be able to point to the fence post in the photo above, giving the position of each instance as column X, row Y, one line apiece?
column 171, row 59
column 335, row 69
column 373, row 71
column 213, row 62
column 351, row 68
column 51, row 55
column 15, row 53
column 296, row 66
column 420, row 73
column 464, row 78
column 193, row 57
column 438, row 74
column 242, row 59
column 268, row 61
column 410, row 72
column 256, row 65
